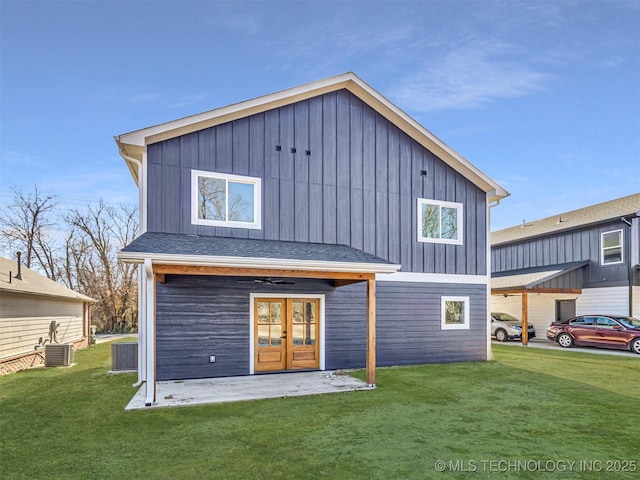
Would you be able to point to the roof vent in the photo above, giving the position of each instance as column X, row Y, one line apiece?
column 19, row 274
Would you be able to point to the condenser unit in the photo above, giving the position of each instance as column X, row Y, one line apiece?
column 58, row 355
column 124, row 356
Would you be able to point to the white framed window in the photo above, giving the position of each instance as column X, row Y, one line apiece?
column 611, row 251
column 440, row 222
column 455, row 313
column 223, row 200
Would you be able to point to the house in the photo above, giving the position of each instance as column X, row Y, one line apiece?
column 586, row 261
column 35, row 310
column 319, row 227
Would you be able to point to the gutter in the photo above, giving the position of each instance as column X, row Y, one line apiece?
column 492, row 201
column 141, row 228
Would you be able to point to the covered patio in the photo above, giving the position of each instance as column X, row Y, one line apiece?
column 276, row 262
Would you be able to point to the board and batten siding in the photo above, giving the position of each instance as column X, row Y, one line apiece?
column 24, row 319
column 564, row 247
column 358, row 185
column 214, row 316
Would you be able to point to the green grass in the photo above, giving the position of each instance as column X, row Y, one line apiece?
column 527, row 405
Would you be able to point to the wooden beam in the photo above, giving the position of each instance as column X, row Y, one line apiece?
column 160, row 277
column 342, row 283
column 371, row 332
column 525, row 319
column 521, row 291
column 513, row 291
column 259, row 272
column 572, row 291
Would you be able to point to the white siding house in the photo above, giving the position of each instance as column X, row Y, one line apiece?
column 29, row 304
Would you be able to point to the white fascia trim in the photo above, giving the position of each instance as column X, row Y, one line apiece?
column 139, row 137
column 417, row 277
column 262, row 263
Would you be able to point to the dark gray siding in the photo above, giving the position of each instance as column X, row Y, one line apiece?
column 569, row 246
column 573, row 279
column 408, row 324
column 358, row 187
column 198, row 316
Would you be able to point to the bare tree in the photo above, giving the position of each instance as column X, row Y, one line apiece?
column 90, row 261
column 83, row 258
column 28, row 225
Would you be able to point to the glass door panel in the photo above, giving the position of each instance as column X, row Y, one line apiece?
column 286, row 333
column 304, row 331
column 270, row 351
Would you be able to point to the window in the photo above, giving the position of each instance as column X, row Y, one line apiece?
column 455, row 313
column 582, row 321
column 223, row 200
column 604, row 322
column 611, row 247
column 439, row 222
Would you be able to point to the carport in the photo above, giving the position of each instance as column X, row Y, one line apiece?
column 564, row 278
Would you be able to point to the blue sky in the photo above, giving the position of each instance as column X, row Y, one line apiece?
column 542, row 96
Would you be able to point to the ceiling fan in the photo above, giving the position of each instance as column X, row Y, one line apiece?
column 269, row 281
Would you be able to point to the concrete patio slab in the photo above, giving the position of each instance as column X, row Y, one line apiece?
column 251, row 387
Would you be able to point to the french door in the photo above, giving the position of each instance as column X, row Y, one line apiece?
column 286, row 334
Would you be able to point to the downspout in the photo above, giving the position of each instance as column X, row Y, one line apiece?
column 630, row 221
column 630, row 266
column 490, row 205
column 634, row 259
column 141, row 284
column 150, row 397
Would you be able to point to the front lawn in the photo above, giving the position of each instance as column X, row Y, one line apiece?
column 528, row 414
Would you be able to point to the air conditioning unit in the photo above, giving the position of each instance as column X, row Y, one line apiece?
column 124, row 356
column 58, row 355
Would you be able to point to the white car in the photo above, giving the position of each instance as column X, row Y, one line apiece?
column 505, row 327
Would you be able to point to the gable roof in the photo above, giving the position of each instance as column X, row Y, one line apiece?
column 132, row 145
column 600, row 212
column 204, row 250
column 33, row 283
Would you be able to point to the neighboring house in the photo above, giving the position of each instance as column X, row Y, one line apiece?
column 36, row 310
column 586, row 261
column 316, row 228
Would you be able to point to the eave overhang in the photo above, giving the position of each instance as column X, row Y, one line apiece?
column 257, row 263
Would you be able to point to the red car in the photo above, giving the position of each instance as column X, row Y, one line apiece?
column 609, row 331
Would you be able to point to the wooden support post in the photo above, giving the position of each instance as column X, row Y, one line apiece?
column 525, row 319
column 371, row 332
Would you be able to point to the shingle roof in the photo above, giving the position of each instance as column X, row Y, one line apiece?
column 33, row 283
column 569, row 220
column 181, row 245
column 530, row 277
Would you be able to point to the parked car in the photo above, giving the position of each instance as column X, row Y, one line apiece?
column 609, row 331
column 505, row 327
